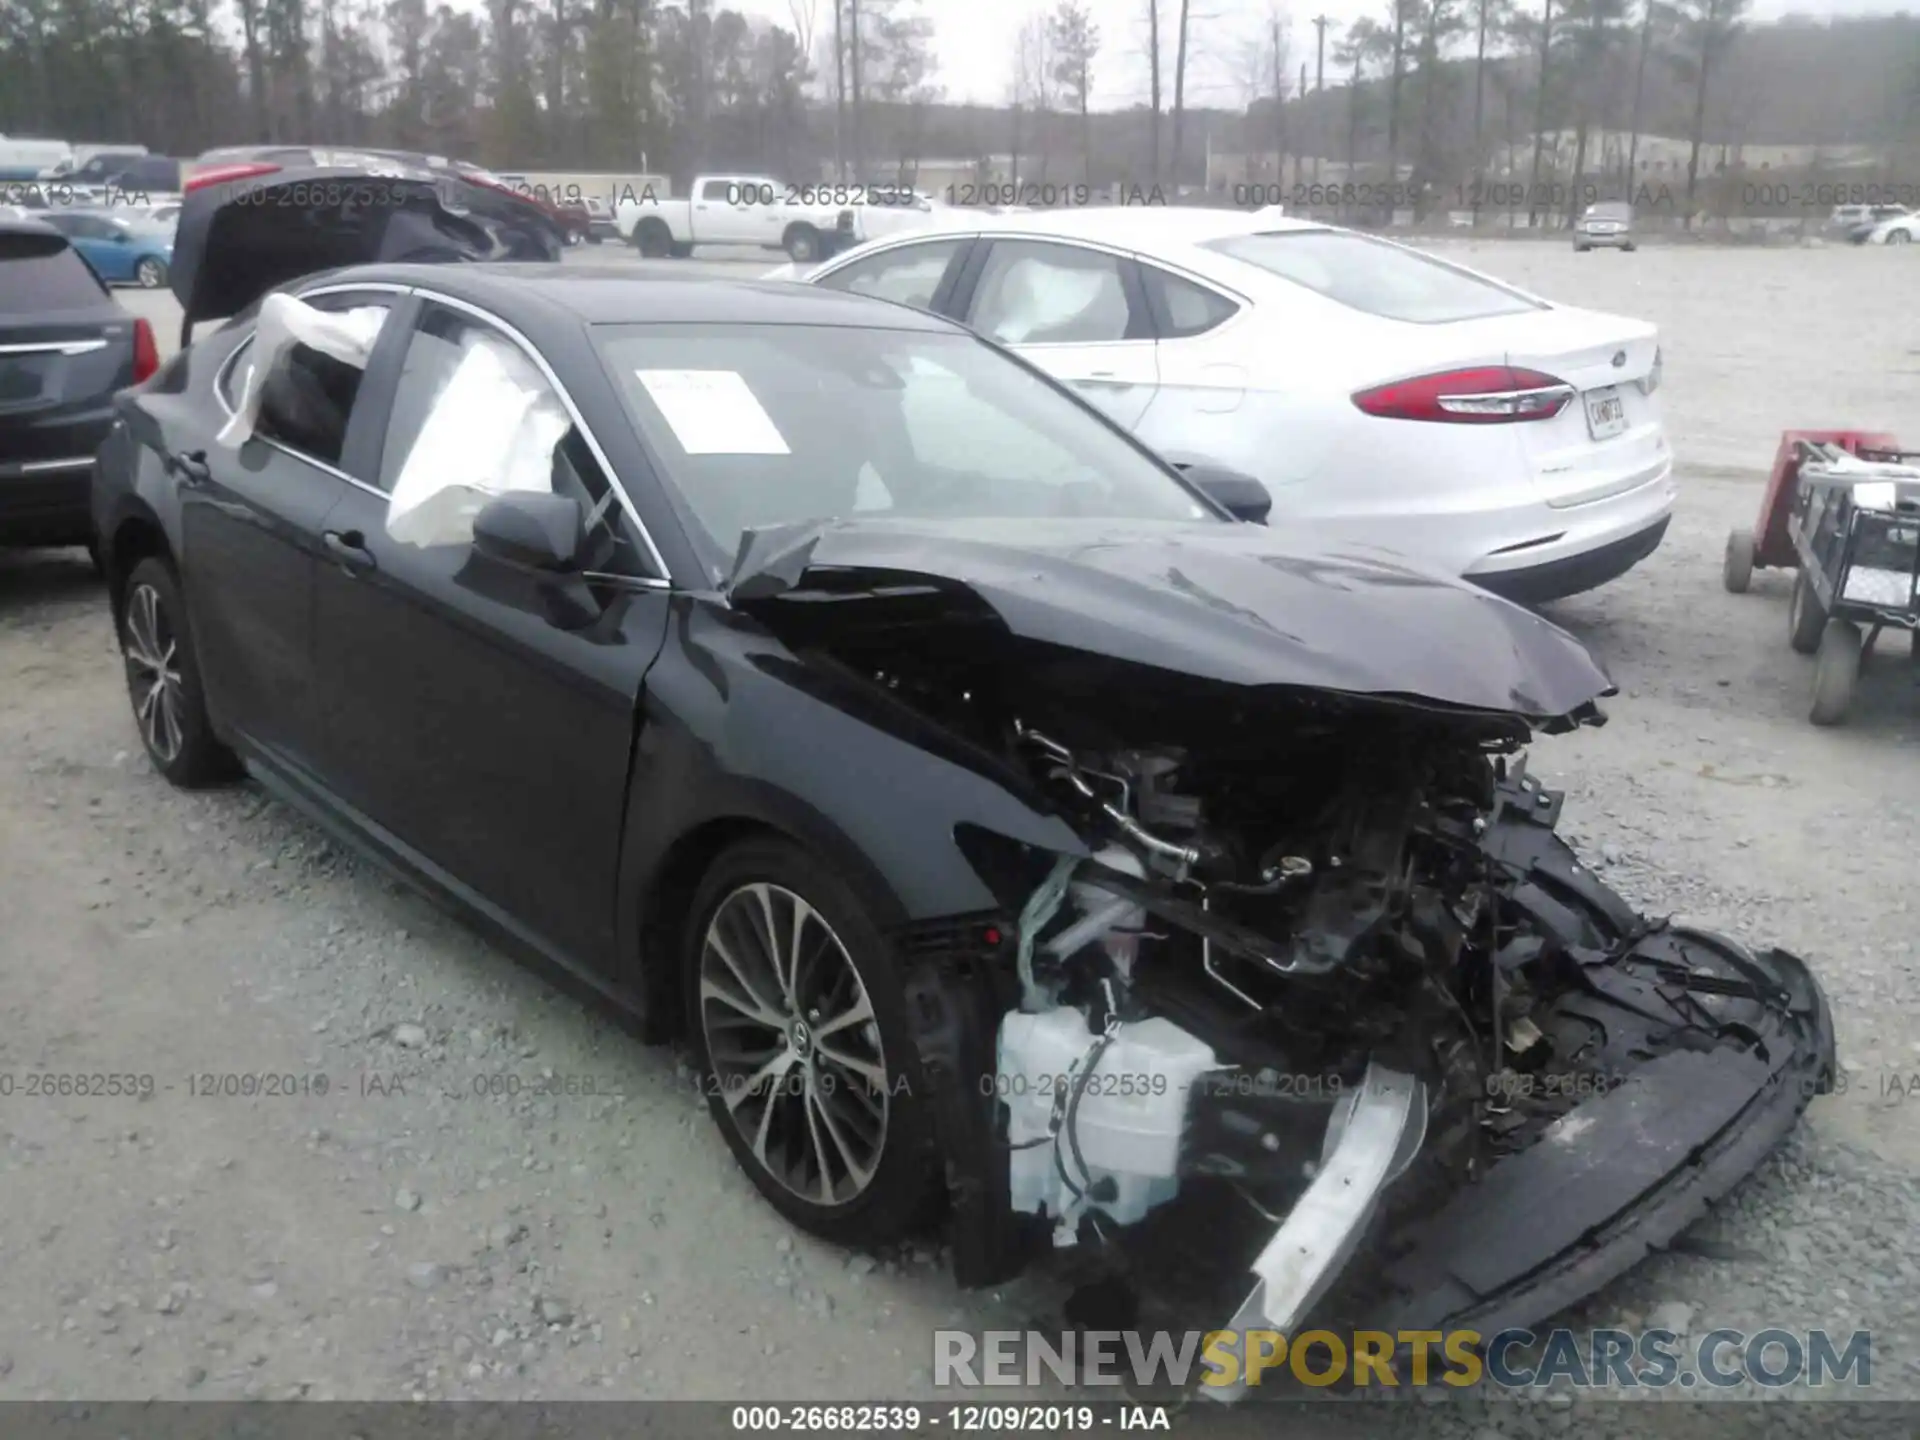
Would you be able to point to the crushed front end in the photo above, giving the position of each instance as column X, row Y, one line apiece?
column 1320, row 954
column 1372, row 993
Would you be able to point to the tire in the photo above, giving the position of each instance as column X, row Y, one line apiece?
column 803, row 244
column 901, row 1184
column 1736, row 571
column 1835, row 673
column 163, row 680
column 576, row 237
column 1629, row 249
column 1581, row 249
column 150, row 273
column 653, row 239
column 594, row 237
column 1899, row 237
column 1806, row 617
column 680, row 249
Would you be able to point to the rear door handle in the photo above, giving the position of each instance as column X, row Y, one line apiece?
column 350, row 549
column 191, row 468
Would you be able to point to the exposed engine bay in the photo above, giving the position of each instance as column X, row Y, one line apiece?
column 1323, row 950
column 1349, row 986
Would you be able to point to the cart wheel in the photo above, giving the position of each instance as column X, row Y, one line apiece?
column 1835, row 673
column 1737, row 572
column 1806, row 616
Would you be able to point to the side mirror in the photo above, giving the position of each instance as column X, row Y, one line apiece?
column 527, row 551
column 529, row 530
column 1241, row 496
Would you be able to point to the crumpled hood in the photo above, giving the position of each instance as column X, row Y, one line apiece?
column 1224, row 602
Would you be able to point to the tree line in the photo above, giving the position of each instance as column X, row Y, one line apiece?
column 1424, row 92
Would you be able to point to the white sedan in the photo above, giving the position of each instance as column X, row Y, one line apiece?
column 1381, row 395
column 1902, row 229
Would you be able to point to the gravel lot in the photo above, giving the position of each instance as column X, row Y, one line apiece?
column 406, row 1235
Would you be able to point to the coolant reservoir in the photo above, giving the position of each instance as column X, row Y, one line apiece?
column 1128, row 1121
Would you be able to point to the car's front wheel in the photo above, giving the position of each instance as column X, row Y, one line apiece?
column 163, row 680
column 800, row 1030
column 151, row 273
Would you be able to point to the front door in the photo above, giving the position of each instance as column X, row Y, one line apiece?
column 1078, row 313
column 484, row 739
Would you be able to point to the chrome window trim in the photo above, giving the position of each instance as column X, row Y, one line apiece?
column 662, row 581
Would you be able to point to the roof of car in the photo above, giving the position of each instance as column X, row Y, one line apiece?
column 1128, row 224
column 632, row 294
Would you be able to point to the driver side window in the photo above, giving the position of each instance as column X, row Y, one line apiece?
column 473, row 417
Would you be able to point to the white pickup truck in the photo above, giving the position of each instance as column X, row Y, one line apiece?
column 733, row 210
column 809, row 221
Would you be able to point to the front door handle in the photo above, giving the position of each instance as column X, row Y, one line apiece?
column 350, row 549
column 190, row 468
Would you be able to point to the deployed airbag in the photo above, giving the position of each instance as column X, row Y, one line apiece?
column 286, row 321
column 492, row 428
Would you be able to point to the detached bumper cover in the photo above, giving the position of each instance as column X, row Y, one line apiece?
column 1627, row 1172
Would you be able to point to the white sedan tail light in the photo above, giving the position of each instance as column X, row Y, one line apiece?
column 1482, row 395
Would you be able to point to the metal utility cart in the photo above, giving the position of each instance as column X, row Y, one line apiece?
column 1848, row 515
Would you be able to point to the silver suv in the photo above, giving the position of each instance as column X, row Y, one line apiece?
column 1608, row 223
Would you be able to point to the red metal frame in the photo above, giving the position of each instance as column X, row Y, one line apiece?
column 1771, row 546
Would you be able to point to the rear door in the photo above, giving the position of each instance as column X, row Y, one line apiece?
column 252, row 524
column 1077, row 312
column 65, row 347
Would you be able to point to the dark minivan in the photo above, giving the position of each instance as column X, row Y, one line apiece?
column 65, row 348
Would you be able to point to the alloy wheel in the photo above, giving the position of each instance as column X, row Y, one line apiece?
column 153, row 673
column 793, row 1044
column 151, row 274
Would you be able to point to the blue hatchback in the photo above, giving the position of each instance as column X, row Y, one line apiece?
column 121, row 250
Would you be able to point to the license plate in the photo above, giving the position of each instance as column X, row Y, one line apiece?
column 1606, row 412
column 20, row 380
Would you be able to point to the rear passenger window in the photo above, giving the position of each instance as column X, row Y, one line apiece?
column 1182, row 307
column 307, row 396
column 43, row 273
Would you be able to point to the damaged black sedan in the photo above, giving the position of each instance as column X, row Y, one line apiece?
column 1022, row 841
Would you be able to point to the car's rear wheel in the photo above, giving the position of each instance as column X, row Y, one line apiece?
column 1899, row 237
column 1806, row 616
column 151, row 273
column 163, row 680
column 800, row 1030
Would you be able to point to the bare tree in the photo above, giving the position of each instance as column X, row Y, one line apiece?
column 1402, row 11
column 1490, row 20
column 1153, row 84
column 1540, row 93
column 1594, row 30
column 1180, row 91
column 1704, row 30
column 1652, row 14
column 1366, row 41
column 1074, row 40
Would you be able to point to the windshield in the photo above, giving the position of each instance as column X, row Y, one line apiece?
column 764, row 425
column 1375, row 277
column 1608, row 210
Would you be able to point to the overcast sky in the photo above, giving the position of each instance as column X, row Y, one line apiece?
column 975, row 40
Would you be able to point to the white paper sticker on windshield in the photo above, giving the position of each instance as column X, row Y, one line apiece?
column 712, row 412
